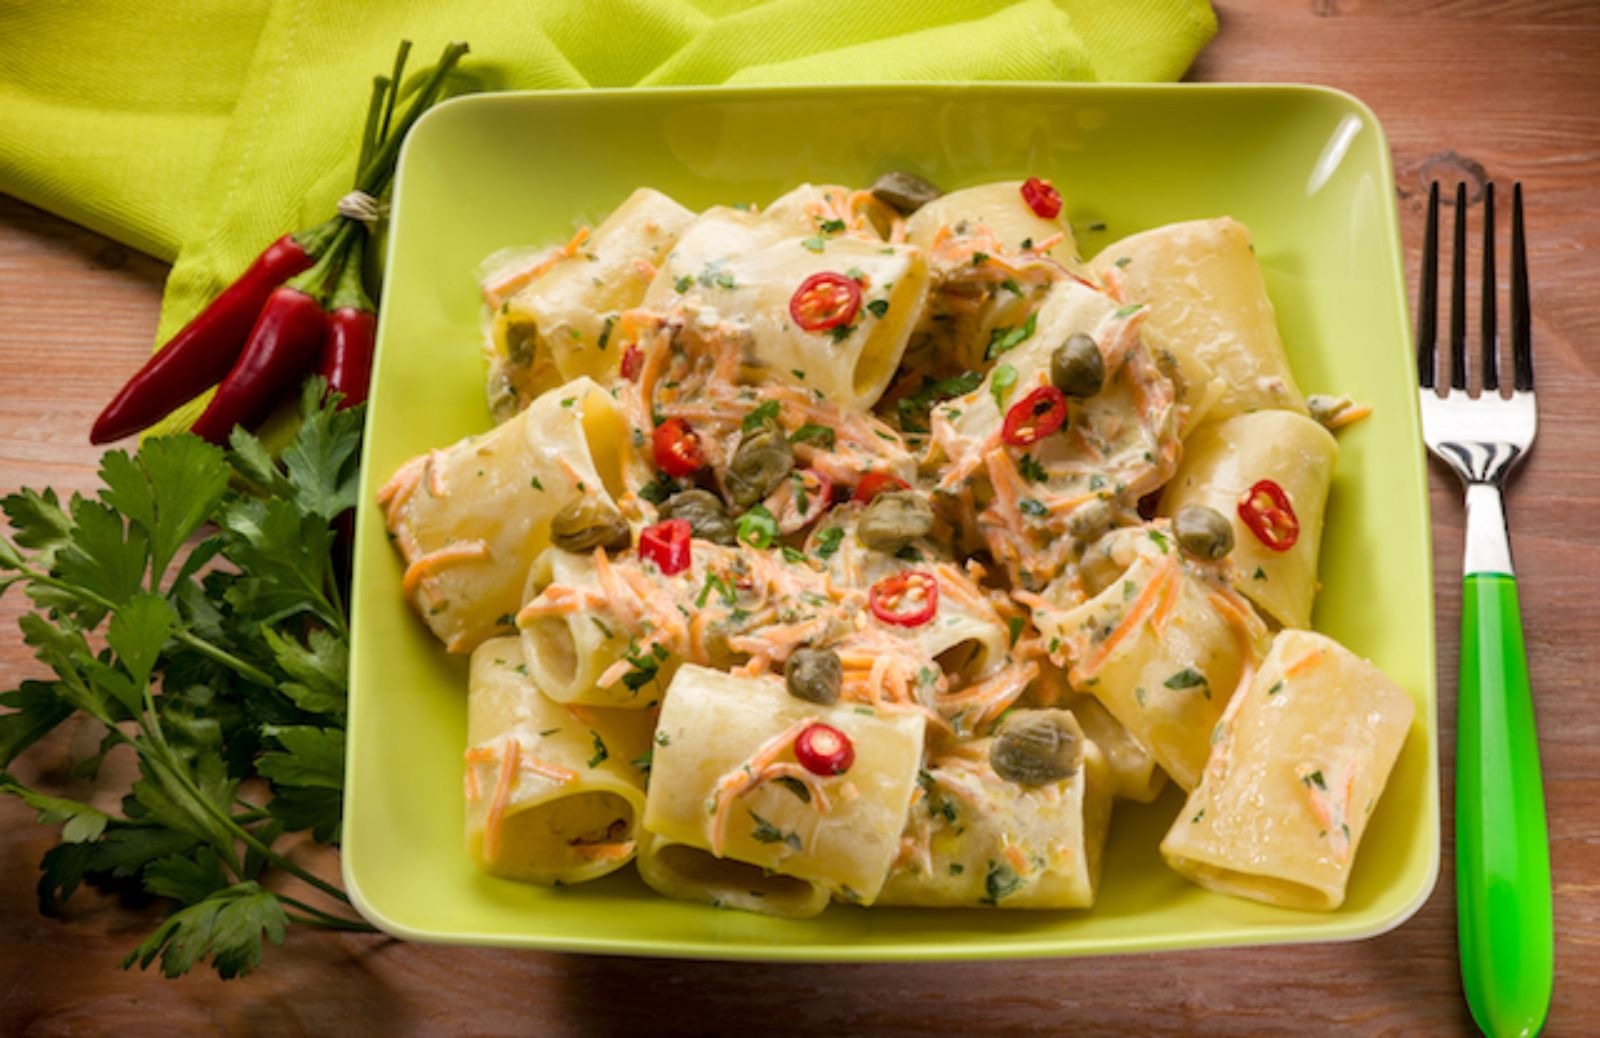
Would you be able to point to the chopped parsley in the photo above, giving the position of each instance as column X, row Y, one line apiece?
column 912, row 410
column 766, row 832
column 715, row 583
column 663, row 739
column 1160, row 539
column 684, row 283
column 831, row 226
column 814, row 243
column 810, row 431
column 1010, row 285
column 878, row 308
column 535, row 483
column 795, row 786
column 1015, row 626
column 1123, row 261
column 1028, row 506
column 766, row 411
column 1315, row 779
column 1129, row 310
column 644, row 760
column 828, row 541
column 659, row 489
column 600, row 751
column 1001, row 882
column 1188, row 677
column 1001, row 380
column 1032, row 471
column 1277, row 686
column 1004, row 338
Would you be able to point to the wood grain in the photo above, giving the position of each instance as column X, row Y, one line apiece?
column 1508, row 89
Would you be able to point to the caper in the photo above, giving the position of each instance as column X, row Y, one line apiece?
column 1324, row 409
column 522, row 335
column 1076, row 367
column 893, row 520
column 1037, row 747
column 762, row 461
column 1203, row 532
column 1090, row 519
column 906, row 192
column 814, row 675
column 708, row 519
column 589, row 523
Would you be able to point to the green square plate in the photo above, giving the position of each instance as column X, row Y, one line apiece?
column 1306, row 168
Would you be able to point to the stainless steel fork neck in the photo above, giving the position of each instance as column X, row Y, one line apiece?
column 1488, row 539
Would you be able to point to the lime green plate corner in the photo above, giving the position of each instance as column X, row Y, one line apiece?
column 1306, row 168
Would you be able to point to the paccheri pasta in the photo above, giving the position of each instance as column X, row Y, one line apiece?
column 868, row 547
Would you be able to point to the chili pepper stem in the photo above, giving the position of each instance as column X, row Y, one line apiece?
column 376, row 172
column 395, row 81
column 319, row 280
column 350, row 291
column 369, row 132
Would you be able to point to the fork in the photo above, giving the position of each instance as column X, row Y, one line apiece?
column 1503, row 902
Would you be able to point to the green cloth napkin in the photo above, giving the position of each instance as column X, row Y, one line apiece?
column 198, row 131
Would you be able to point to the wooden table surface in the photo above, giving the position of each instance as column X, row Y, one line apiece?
column 1508, row 90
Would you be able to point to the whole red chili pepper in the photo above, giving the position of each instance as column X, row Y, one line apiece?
column 352, row 330
column 281, row 349
column 199, row 356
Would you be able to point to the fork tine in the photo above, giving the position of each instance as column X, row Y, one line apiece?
column 1428, row 295
column 1491, row 339
column 1521, row 321
column 1458, row 294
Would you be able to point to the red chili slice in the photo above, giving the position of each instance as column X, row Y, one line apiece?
column 824, row 301
column 667, row 545
column 677, row 448
column 1035, row 416
column 1265, row 508
column 1042, row 198
column 824, row 750
column 632, row 361
column 907, row 599
column 875, row 483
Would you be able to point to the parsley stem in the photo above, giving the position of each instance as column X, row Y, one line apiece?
column 180, row 633
column 248, row 671
column 326, row 919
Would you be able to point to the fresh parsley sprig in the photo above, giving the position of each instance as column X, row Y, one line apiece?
column 210, row 578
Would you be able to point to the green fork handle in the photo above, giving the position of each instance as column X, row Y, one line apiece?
column 1502, row 850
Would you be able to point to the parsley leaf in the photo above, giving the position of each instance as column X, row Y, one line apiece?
column 766, row 411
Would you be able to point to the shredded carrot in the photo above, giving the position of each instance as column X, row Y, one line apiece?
column 1018, row 860
column 450, row 555
column 495, row 820
column 1350, row 416
column 1141, row 609
column 436, row 459
column 646, row 269
column 615, row 851
column 1304, row 663
column 497, row 291
column 1169, row 599
column 747, row 776
column 469, row 781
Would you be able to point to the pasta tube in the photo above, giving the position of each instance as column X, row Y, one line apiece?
column 552, row 796
column 1303, row 755
column 471, row 518
column 975, row 839
column 567, row 311
column 1133, row 771
column 688, row 873
column 724, row 779
column 1203, row 292
column 728, row 268
column 1163, row 647
column 1223, row 460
